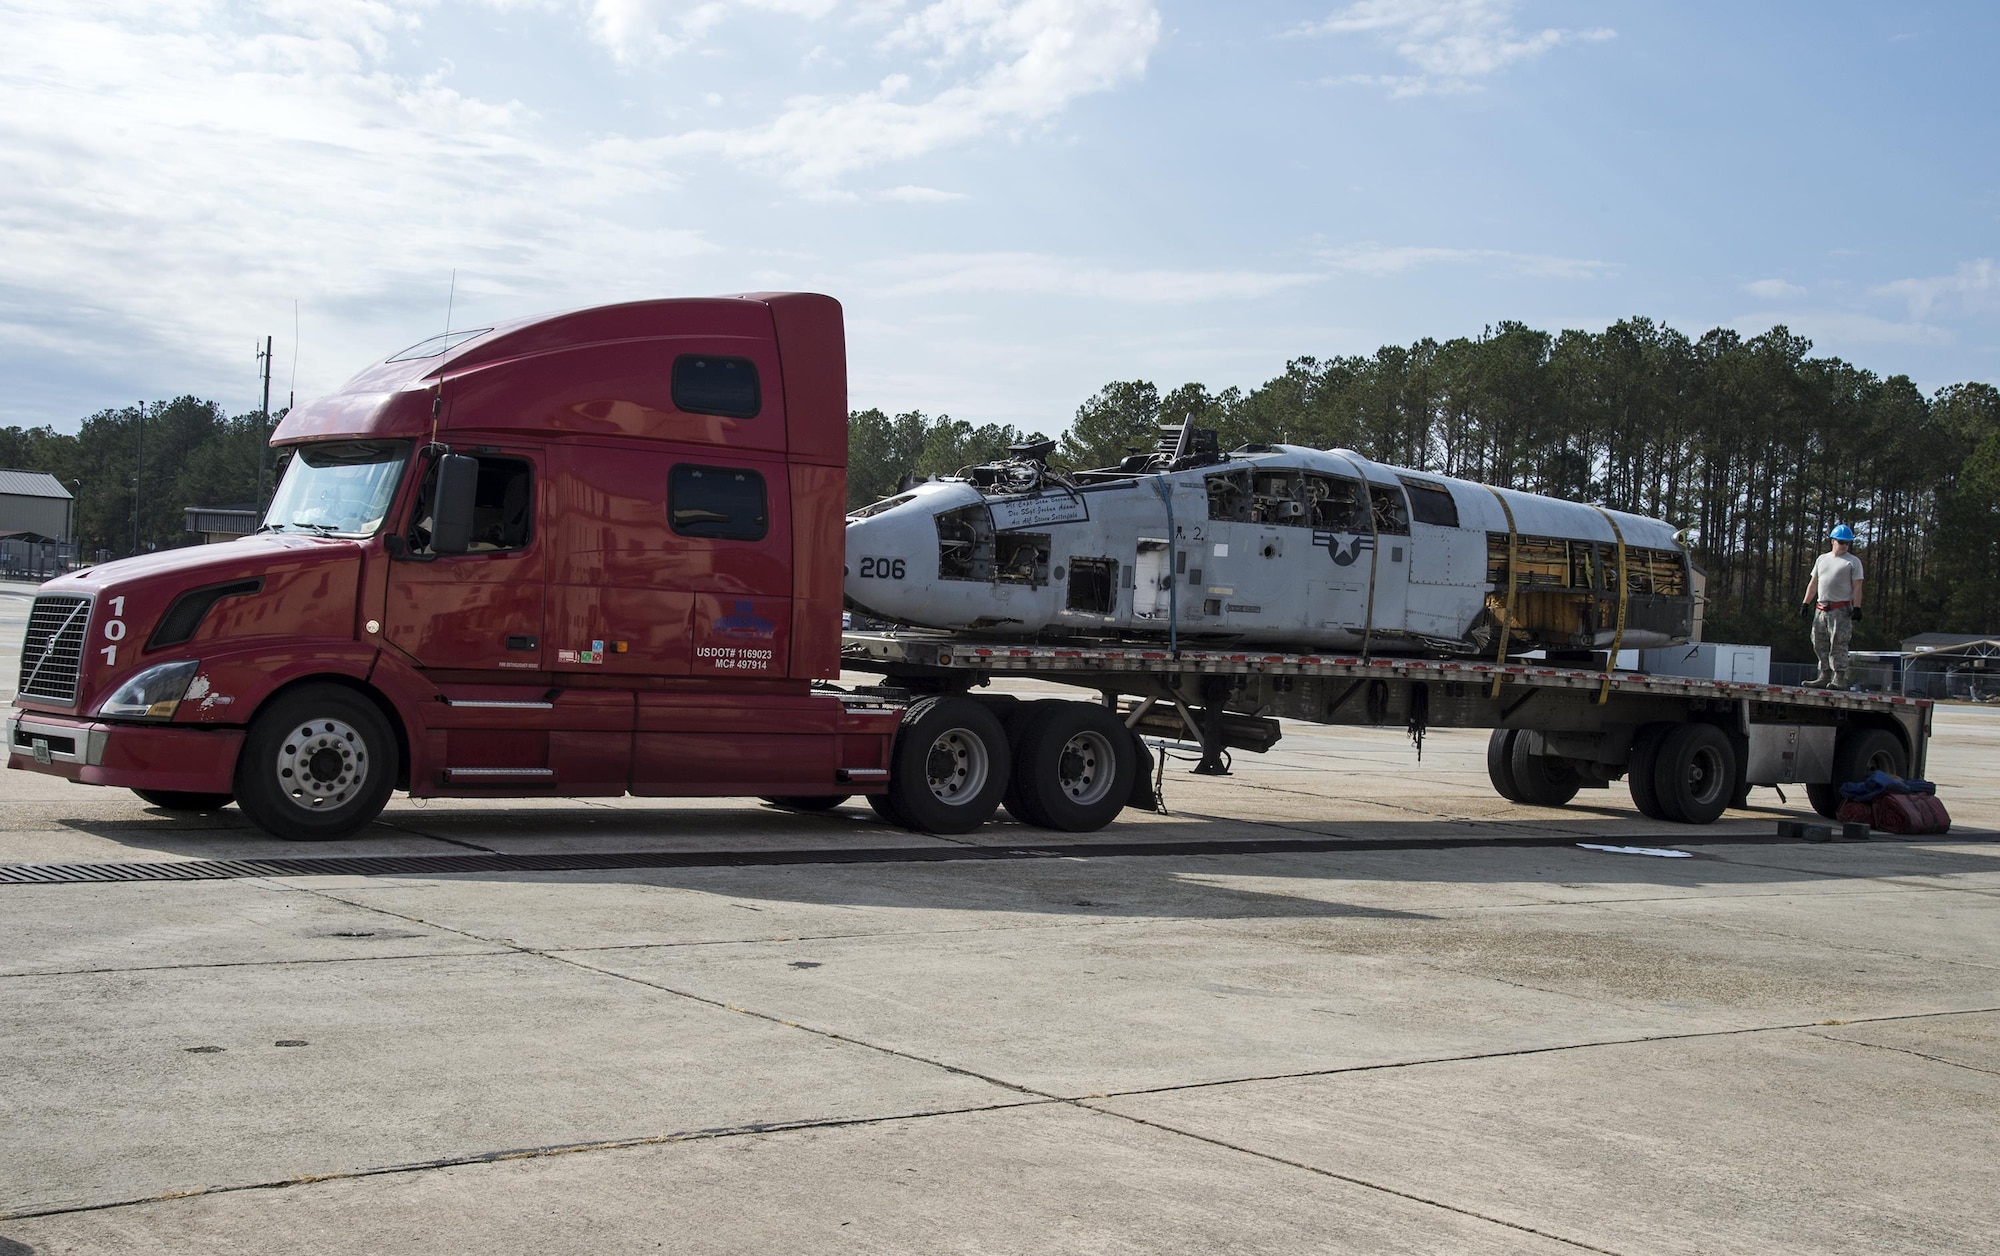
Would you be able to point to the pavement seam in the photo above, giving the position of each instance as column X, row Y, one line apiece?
column 258, row 963
column 1922, row 1055
column 526, row 1153
column 1479, row 1056
column 1351, row 1180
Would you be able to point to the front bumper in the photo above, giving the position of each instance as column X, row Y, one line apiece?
column 130, row 756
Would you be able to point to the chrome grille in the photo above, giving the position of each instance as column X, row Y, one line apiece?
column 52, row 655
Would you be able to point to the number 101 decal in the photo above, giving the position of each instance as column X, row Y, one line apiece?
column 882, row 568
column 114, row 632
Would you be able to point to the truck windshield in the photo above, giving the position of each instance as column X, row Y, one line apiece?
column 338, row 489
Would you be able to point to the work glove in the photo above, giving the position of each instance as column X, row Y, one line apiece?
column 1854, row 614
column 1806, row 610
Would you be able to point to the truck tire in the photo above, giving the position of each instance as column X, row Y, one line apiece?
column 1075, row 767
column 949, row 767
column 1856, row 753
column 317, row 765
column 1645, row 757
column 1014, row 720
column 1500, row 762
column 180, row 800
column 807, row 802
column 1541, row 781
column 1694, row 776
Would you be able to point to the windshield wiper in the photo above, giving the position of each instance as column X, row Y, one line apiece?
column 321, row 529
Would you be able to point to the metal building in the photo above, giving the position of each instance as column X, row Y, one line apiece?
column 36, row 517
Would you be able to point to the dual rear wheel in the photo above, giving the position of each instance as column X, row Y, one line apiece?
column 1069, row 766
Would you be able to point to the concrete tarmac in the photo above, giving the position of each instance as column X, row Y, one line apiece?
column 1489, row 1048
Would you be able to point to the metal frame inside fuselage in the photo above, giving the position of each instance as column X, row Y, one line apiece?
column 1421, row 590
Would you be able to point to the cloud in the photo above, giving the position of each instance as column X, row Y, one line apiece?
column 1773, row 290
column 1377, row 261
column 1001, row 64
column 1973, row 286
column 1452, row 43
column 641, row 31
column 912, row 194
column 178, row 171
column 1038, row 274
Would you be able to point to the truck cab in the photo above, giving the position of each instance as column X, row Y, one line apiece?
column 592, row 553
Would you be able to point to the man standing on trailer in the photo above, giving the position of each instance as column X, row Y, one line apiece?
column 1833, row 601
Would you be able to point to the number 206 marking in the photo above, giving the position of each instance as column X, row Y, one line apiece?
column 882, row 568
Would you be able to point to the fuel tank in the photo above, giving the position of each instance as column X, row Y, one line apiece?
column 1266, row 545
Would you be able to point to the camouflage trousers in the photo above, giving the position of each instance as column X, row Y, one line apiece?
column 1831, row 632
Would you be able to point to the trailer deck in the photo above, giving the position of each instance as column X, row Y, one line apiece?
column 1593, row 722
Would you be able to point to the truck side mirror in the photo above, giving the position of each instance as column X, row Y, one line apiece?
column 451, row 517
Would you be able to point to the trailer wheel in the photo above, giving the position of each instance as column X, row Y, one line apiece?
column 1075, row 766
column 180, row 800
column 1695, row 773
column 1500, row 762
column 1539, row 780
column 1858, row 752
column 1014, row 720
column 949, row 767
column 1640, row 767
column 807, row 802
column 317, row 765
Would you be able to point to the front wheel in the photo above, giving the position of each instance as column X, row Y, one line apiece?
column 317, row 765
column 181, row 800
column 949, row 767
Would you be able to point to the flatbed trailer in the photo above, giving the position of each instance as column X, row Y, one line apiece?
column 1689, row 748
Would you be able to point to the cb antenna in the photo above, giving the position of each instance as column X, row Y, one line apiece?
column 292, row 388
column 449, row 299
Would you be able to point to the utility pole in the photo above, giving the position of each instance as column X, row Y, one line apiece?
column 264, row 427
column 138, row 469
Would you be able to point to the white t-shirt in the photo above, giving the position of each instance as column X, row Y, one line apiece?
column 1836, row 574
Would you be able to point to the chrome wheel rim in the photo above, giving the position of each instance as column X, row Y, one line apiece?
column 321, row 764
column 957, row 766
column 1086, row 768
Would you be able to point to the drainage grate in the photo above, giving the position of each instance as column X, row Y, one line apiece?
column 421, row 865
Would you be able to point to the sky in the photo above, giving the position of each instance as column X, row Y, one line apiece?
column 1016, row 201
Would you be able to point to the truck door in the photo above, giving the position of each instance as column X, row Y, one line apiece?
column 483, row 609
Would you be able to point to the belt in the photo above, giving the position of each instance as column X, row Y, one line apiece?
column 1834, row 606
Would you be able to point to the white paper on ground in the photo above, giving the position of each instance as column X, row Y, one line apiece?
column 1638, row 850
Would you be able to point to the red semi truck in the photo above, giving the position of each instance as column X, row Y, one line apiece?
column 601, row 553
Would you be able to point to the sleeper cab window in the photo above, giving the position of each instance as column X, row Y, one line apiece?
column 705, row 384
column 717, row 503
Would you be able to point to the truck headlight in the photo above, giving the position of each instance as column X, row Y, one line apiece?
column 154, row 694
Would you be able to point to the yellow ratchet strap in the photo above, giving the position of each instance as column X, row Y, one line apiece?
column 1624, row 590
column 1513, row 556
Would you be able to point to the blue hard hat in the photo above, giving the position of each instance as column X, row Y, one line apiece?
column 1844, row 533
